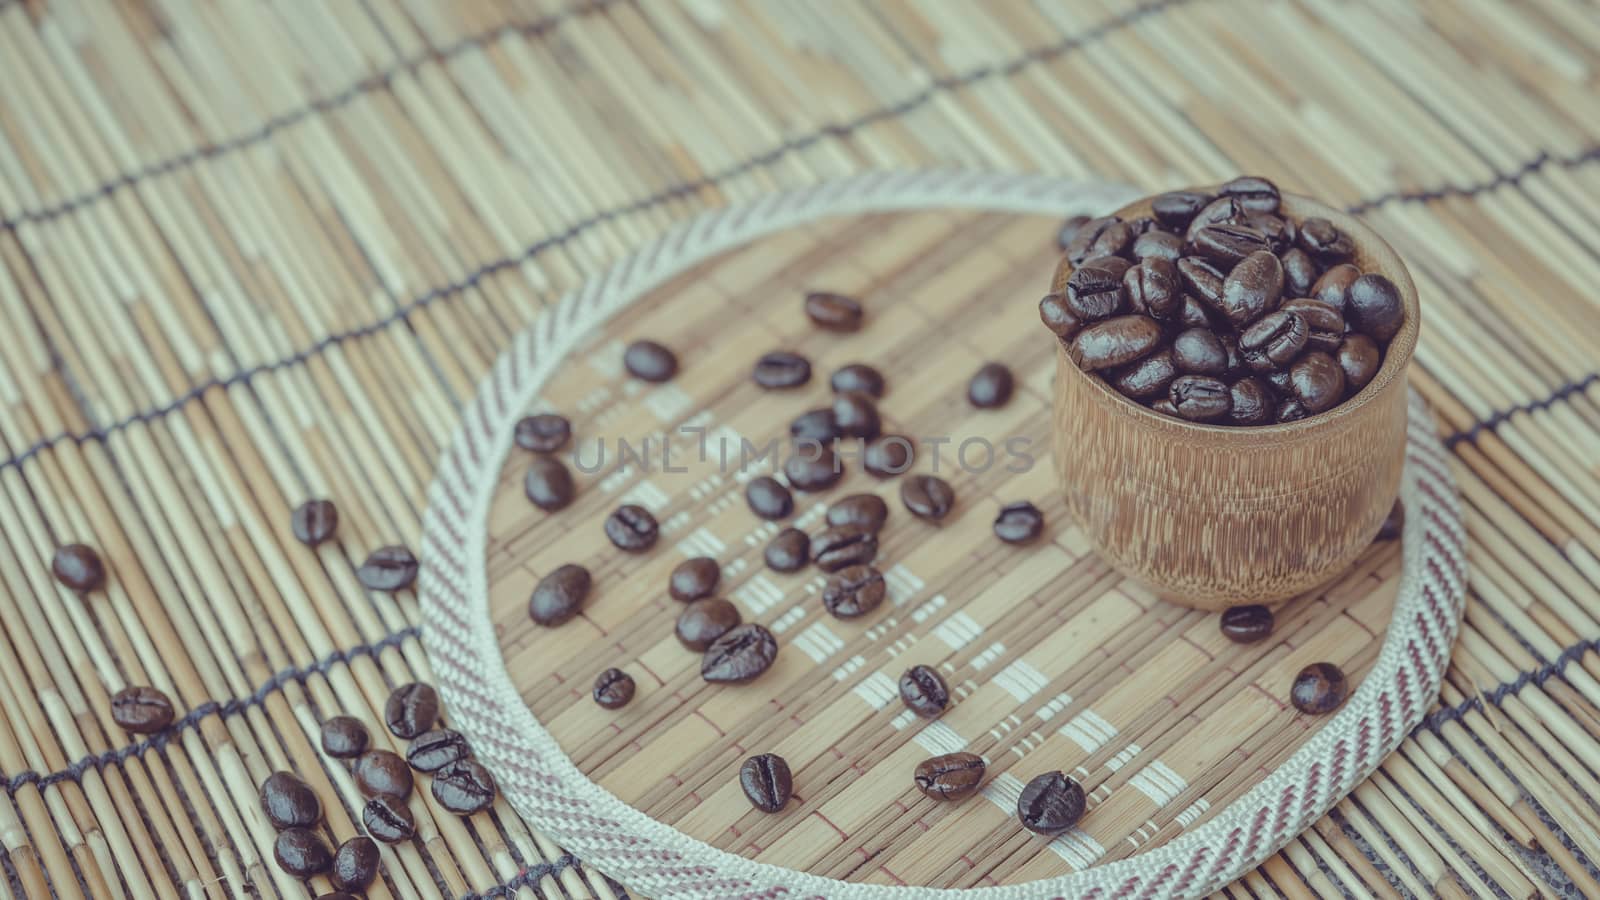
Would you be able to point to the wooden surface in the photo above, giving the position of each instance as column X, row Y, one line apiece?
column 253, row 253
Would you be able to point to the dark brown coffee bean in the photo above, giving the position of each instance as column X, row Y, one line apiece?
column 613, row 688
column 1019, row 523
column 856, row 415
column 1321, row 239
column 739, row 656
column 1226, row 244
column 380, row 773
column 1252, row 193
column 788, row 551
column 314, row 521
column 833, row 312
column 1202, row 280
column 1198, row 351
column 1222, row 210
column 813, row 467
column 411, row 710
column 853, row 591
column 1292, row 410
column 1154, row 288
column 632, row 529
column 1058, row 316
column 858, row 378
column 768, row 498
column 431, row 751
column 1163, row 405
column 345, row 737
column 865, row 510
column 1114, row 342
column 1318, row 381
column 1246, row 624
column 953, row 776
column 388, row 819
column 650, row 361
column 1175, row 209
column 1230, row 345
column 1051, row 803
column 694, row 578
column 1157, row 245
column 548, row 484
column 767, row 782
column 543, row 433
column 289, row 802
column 924, row 692
column 1068, row 229
column 1394, row 523
column 1324, row 322
column 1252, row 402
column 1334, row 286
column 464, row 788
column 1359, row 357
column 355, row 865
column 844, row 545
column 888, row 455
column 814, row 426
column 1299, row 273
column 78, row 567
column 1094, row 290
column 1149, row 377
column 991, row 387
column 1105, row 236
column 1374, row 305
column 703, row 621
column 1274, row 341
column 559, row 595
column 1319, row 689
column 928, row 497
column 1253, row 289
column 302, row 853
column 781, row 369
column 389, row 569
column 1280, row 233
column 1200, row 398
column 141, row 710
column 1193, row 313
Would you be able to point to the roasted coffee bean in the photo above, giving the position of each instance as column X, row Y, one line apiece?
column 560, row 595
column 1280, row 233
column 302, row 853
column 991, row 387
column 380, row 773
column 694, row 578
column 1318, row 381
column 631, row 528
column 78, row 567
column 1230, row 345
column 924, row 692
column 856, row 415
column 355, row 865
column 1280, row 382
column 1292, row 410
column 865, row 510
column 1253, row 289
column 141, row 710
column 1226, row 244
column 543, row 433
column 388, row 819
column 1114, row 342
column 392, row 568
column 927, row 496
column 1154, row 288
column 844, row 545
column 1319, row 689
column 1321, row 239
column 1274, row 341
column 548, row 484
column 953, row 776
column 431, row 751
column 464, row 788
column 858, row 378
column 345, row 737
column 613, row 688
column 289, row 802
column 768, row 498
column 815, row 426
column 1149, row 377
column 833, row 312
column 314, row 521
column 1051, row 803
column 1200, row 398
column 813, row 467
column 1359, row 357
column 650, row 361
column 1202, row 280
column 1163, row 405
column 788, row 551
column 888, row 455
column 1252, row 193
column 853, row 591
column 1174, row 209
column 766, row 781
column 1198, row 351
column 1105, row 236
column 1157, row 245
column 781, row 369
column 1058, row 316
column 1019, row 523
column 1394, row 523
column 1246, row 624
column 703, row 621
column 411, row 710
column 1374, row 305
column 1299, row 273
column 1222, row 210
column 1094, row 290
column 1193, row 313
column 1068, row 229
column 1334, row 286
column 1324, row 322
column 1252, row 402
column 739, row 656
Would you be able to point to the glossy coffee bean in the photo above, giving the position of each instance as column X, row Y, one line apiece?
column 1094, row 290
column 781, row 369
column 559, row 595
column 854, row 591
column 1058, row 316
column 814, row 426
column 1318, row 381
column 1292, row 410
column 613, row 688
column 788, row 551
column 923, row 691
column 858, row 378
column 856, row 415
column 1333, row 287
column 953, row 776
column 1225, row 244
column 1253, row 289
column 1114, row 342
column 78, row 567
column 1175, row 209
column 1253, row 402
column 1222, row 210
column 289, row 802
column 766, row 782
column 345, row 737
column 650, row 361
column 1202, row 281
column 1105, row 236
column 928, row 497
column 543, row 433
column 465, row 788
column 388, row 819
column 833, row 312
column 888, row 455
column 1394, row 523
column 1280, row 382
column 1319, row 689
column 1149, row 377
column 389, row 569
column 864, row 510
column 355, row 865
column 1198, row 351
column 412, row 709
column 844, row 545
column 1068, row 229
column 632, row 528
column 741, row 655
column 1321, row 239
column 1359, row 357
column 1299, row 272
column 1324, row 322
column 813, row 467
column 314, row 522
column 1162, row 245
column 1280, row 233
column 1246, row 624
column 302, row 853
column 1019, row 523
column 549, row 484
column 1252, row 193
column 141, row 710
column 991, row 387
column 1154, row 288
column 1374, row 306
column 381, row 773
column 431, row 751
column 694, row 578
column 1274, row 341
column 768, row 498
column 703, row 621
column 1200, row 398
column 1051, row 803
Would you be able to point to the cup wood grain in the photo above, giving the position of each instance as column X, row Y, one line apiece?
column 1215, row 516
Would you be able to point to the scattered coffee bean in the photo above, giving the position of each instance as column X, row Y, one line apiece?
column 833, row 312
column 953, row 776
column 141, row 710
column 1200, row 398
column 866, row 510
column 1324, row 322
column 1299, row 273
column 388, row 569
column 1068, row 229
column 302, row 853
column 1198, row 351
column 411, row 710
column 1252, row 289
column 464, row 788
column 928, row 497
column 1149, row 377
column 781, row 369
column 1094, row 290
column 858, row 378
column 1374, row 303
column 1359, row 357
column 1105, row 236
column 345, row 737
column 78, row 567
column 314, row 521
column 1058, row 316
column 289, row 802
column 1394, row 523
column 853, row 591
column 381, row 773
column 924, row 692
column 844, row 545
column 694, row 578
column 613, row 688
column 813, row 467
column 768, row 498
column 856, row 415
column 650, row 361
column 1274, row 341
column 1321, row 239
column 888, row 455
column 548, row 483
column 1019, row 523
column 388, row 819
column 788, row 551
column 739, row 656
column 1174, row 209
column 1318, row 381
column 559, row 595
column 814, row 426
column 355, row 865
column 1050, row 804
column 1246, row 624
column 631, row 528
column 1318, row 689
column 543, row 433
column 1253, row 403
column 1114, row 342
column 991, row 388
column 431, row 751
column 766, row 781
column 703, row 621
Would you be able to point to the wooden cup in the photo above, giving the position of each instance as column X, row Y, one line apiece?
column 1214, row 516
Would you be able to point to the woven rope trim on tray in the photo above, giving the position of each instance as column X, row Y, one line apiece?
column 648, row 856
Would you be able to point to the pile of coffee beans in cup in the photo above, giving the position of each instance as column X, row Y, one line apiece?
column 1221, row 308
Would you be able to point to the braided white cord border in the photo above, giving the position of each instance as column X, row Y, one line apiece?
column 648, row 856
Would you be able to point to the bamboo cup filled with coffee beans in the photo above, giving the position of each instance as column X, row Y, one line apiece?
column 1230, row 399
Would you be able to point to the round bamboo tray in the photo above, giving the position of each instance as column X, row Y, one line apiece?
column 1195, row 767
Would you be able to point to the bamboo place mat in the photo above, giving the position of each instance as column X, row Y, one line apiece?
column 254, row 253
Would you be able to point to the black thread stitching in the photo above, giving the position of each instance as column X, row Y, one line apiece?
column 527, row 877
column 1439, row 717
column 1498, row 418
column 1499, row 180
